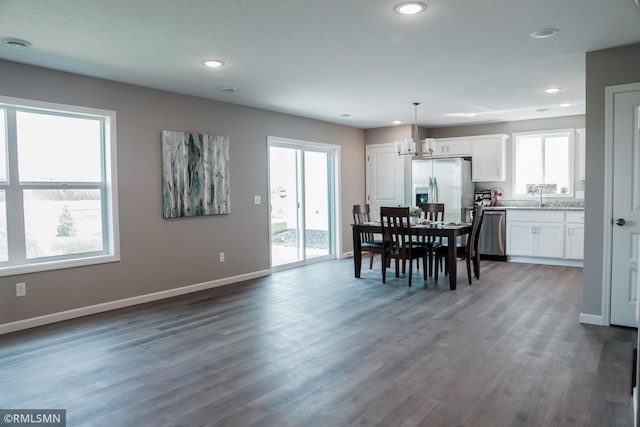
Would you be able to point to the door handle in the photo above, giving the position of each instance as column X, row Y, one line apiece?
column 620, row 222
column 435, row 191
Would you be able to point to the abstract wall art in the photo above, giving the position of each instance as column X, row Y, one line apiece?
column 195, row 174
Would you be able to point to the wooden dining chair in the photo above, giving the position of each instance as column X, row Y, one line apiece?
column 433, row 212
column 398, row 242
column 469, row 251
column 361, row 214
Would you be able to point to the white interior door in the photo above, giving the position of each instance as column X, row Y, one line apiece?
column 385, row 177
column 626, row 208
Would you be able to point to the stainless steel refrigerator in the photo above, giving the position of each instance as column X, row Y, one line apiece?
column 445, row 181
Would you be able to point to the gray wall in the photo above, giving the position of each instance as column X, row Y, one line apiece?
column 604, row 68
column 388, row 134
column 508, row 128
column 158, row 254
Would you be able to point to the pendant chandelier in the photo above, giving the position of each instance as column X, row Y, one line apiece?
column 412, row 146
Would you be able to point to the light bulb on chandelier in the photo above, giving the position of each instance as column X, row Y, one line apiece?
column 409, row 145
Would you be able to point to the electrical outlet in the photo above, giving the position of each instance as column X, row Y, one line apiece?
column 221, row 256
column 21, row 289
column 257, row 200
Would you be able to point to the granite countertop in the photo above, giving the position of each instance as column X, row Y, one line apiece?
column 535, row 208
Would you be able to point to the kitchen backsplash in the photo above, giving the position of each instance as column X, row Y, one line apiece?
column 550, row 203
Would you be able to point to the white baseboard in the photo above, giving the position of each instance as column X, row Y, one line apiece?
column 347, row 254
column 546, row 261
column 593, row 319
column 127, row 302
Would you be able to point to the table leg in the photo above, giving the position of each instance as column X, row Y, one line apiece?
column 357, row 252
column 453, row 262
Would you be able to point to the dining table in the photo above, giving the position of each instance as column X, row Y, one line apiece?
column 448, row 230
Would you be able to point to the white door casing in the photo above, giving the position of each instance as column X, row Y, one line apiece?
column 385, row 177
column 331, row 198
column 625, row 207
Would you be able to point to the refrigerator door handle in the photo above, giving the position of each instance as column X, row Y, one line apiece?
column 435, row 190
column 430, row 190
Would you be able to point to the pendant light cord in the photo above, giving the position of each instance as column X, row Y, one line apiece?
column 415, row 136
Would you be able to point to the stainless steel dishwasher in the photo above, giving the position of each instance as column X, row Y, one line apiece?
column 493, row 235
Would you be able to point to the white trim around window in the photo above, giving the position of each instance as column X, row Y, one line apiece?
column 567, row 168
column 57, row 181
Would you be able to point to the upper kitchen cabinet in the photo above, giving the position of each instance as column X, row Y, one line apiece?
column 445, row 147
column 489, row 158
column 581, row 144
column 453, row 147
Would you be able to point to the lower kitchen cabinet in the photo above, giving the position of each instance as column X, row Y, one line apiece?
column 520, row 238
column 538, row 239
column 574, row 239
column 550, row 235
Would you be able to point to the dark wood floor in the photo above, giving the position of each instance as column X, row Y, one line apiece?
column 314, row 346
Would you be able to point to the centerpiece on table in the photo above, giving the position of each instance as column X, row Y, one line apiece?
column 416, row 214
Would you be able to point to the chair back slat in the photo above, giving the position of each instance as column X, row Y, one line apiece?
column 432, row 211
column 361, row 214
column 396, row 229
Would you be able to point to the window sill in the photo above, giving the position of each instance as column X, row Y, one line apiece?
column 56, row 265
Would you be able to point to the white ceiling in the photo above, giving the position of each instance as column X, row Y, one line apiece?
column 325, row 58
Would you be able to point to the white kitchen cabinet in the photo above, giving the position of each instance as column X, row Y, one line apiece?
column 489, row 158
column 453, row 147
column 487, row 152
column 536, row 239
column 448, row 147
column 520, row 238
column 535, row 233
column 582, row 146
column 548, row 237
column 574, row 239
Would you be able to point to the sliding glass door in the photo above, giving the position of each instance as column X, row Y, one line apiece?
column 302, row 207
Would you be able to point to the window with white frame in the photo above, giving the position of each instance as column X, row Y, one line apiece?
column 57, row 186
column 543, row 161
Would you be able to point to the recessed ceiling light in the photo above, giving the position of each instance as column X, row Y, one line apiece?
column 566, row 104
column 410, row 8
column 228, row 89
column 345, row 115
column 552, row 90
column 461, row 114
column 544, row 33
column 397, row 122
column 212, row 63
column 16, row 43
column 542, row 110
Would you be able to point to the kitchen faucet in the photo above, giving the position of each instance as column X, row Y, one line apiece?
column 538, row 188
column 541, row 201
